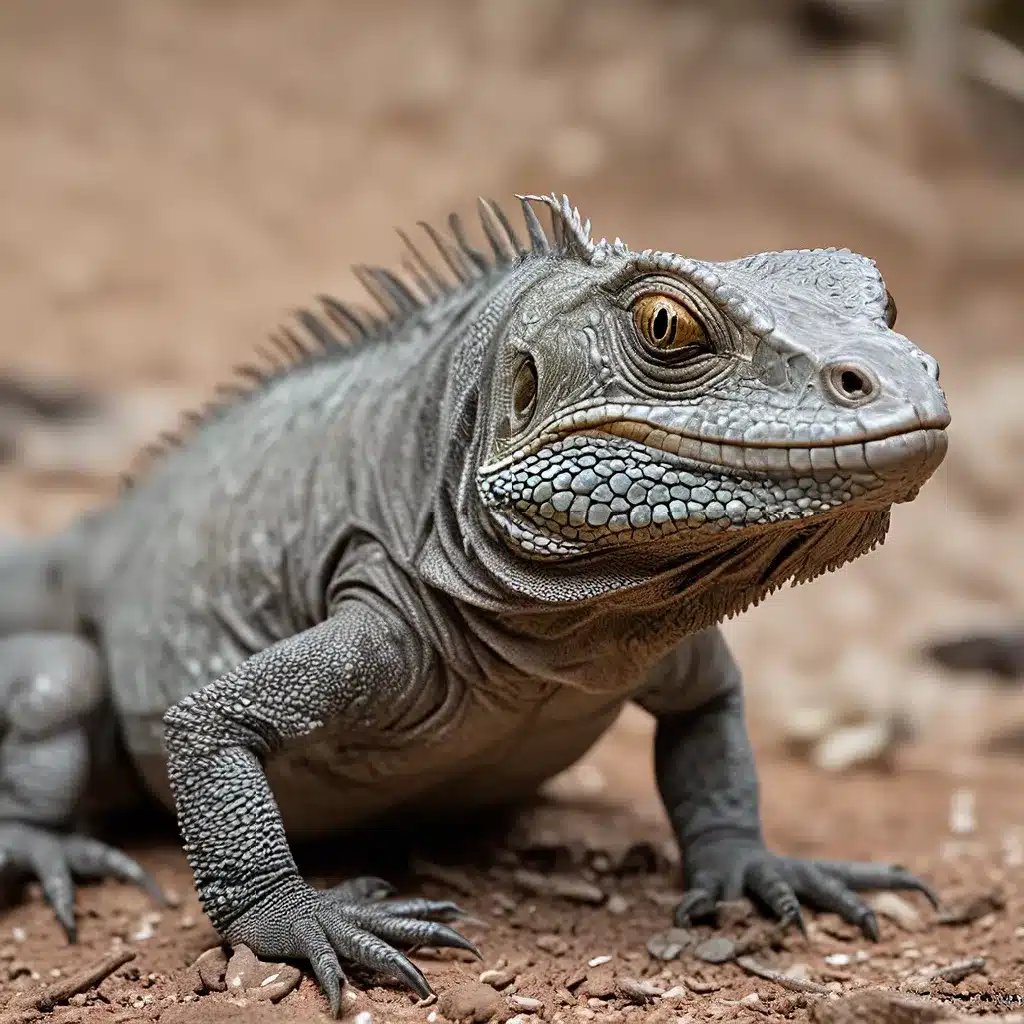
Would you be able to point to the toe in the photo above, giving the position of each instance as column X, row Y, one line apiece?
column 93, row 859
column 365, row 948
column 47, row 863
column 767, row 882
column 865, row 876
column 312, row 942
column 427, row 910
column 408, row 931
column 699, row 899
column 826, row 892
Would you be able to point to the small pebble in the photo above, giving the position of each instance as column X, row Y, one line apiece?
column 553, row 944
column 578, row 890
column 962, row 817
column 668, row 945
column 630, row 988
column 211, row 966
column 617, row 904
column 363, row 1017
column 972, row 908
column 598, row 960
column 497, row 979
column 896, row 909
column 838, row 959
column 471, row 1001
column 527, row 1003
column 19, row 934
column 716, row 951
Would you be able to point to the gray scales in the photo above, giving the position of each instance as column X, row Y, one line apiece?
column 423, row 558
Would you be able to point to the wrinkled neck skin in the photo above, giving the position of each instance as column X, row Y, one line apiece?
column 677, row 584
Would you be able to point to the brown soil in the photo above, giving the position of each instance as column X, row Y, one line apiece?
column 177, row 175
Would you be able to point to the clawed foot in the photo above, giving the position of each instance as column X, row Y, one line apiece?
column 730, row 869
column 355, row 922
column 54, row 859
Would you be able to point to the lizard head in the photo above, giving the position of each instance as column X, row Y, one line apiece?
column 641, row 399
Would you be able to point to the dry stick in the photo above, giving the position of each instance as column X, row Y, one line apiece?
column 84, row 979
column 752, row 966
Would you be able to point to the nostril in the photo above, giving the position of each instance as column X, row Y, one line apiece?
column 851, row 384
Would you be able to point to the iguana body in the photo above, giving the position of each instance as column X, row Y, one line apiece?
column 426, row 563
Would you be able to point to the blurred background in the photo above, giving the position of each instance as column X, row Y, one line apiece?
column 177, row 176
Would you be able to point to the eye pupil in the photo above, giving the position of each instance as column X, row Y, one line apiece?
column 660, row 326
column 666, row 325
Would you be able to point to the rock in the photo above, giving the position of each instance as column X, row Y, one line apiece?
column 211, row 967
column 668, row 945
column 877, row 1006
column 497, row 978
column 526, row 1003
column 718, row 950
column 630, row 988
column 257, row 979
column 553, row 944
column 867, row 743
column 578, row 890
column 471, row 1002
column 531, row 882
column 896, row 909
column 599, row 982
column 973, row 907
column 617, row 904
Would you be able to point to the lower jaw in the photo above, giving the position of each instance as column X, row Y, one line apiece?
column 528, row 534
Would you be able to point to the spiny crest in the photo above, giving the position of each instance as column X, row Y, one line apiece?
column 338, row 328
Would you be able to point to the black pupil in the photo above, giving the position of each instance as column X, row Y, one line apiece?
column 660, row 325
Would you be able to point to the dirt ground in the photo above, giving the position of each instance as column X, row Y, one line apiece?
column 177, row 176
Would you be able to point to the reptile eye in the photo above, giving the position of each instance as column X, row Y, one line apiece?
column 666, row 325
column 524, row 392
column 890, row 309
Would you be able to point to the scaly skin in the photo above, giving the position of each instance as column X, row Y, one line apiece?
column 426, row 563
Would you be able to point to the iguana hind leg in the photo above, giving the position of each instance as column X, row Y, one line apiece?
column 50, row 683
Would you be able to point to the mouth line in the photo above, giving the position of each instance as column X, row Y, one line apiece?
column 643, row 431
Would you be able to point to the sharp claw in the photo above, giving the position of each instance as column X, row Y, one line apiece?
column 332, row 989
column 795, row 918
column 930, row 895
column 439, row 910
column 693, row 906
column 411, row 975
column 869, row 926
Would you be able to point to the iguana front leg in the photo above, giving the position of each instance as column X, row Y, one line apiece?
column 708, row 782
column 359, row 671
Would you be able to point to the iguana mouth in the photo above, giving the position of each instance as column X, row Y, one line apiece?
column 643, row 426
column 595, row 488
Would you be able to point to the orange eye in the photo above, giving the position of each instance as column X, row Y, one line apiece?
column 666, row 324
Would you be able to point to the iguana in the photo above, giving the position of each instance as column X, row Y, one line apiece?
column 422, row 559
